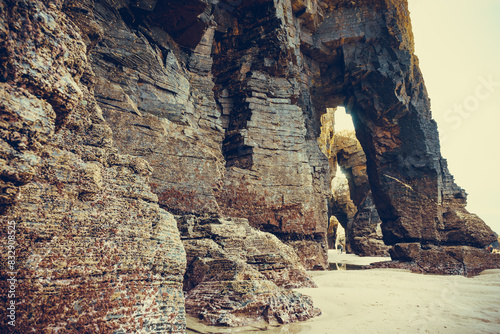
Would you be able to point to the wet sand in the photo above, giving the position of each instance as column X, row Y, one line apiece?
column 393, row 301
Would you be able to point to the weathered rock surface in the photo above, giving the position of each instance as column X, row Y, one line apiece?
column 413, row 190
column 116, row 114
column 276, row 176
column 364, row 232
column 378, row 80
column 237, row 275
column 353, row 203
column 94, row 251
column 215, row 154
column 449, row 260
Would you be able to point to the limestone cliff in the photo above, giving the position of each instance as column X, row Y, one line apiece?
column 117, row 115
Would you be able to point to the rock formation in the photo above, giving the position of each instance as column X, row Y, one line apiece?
column 415, row 195
column 118, row 114
column 354, row 206
column 237, row 275
column 94, row 252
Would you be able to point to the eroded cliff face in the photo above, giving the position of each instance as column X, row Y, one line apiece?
column 117, row 115
column 414, row 193
column 94, row 250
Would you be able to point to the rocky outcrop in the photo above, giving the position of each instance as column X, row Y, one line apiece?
column 161, row 99
column 414, row 193
column 237, row 275
column 116, row 114
column 364, row 231
column 353, row 202
column 448, row 260
column 276, row 176
column 213, row 154
column 94, row 252
column 101, row 106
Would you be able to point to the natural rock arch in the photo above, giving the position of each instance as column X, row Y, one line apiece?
column 352, row 203
column 115, row 116
column 383, row 88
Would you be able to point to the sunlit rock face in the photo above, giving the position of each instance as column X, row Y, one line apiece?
column 117, row 115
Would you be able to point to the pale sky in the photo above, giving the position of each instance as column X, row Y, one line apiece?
column 458, row 44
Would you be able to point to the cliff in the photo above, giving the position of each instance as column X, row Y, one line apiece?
column 161, row 157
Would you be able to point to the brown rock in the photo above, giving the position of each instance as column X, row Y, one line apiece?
column 94, row 251
column 444, row 260
column 115, row 112
column 352, row 201
column 238, row 275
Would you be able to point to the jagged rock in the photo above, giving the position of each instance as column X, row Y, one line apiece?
column 94, row 251
column 276, row 176
column 364, row 231
column 114, row 112
column 413, row 191
column 237, row 275
column 161, row 99
column 241, row 302
column 396, row 130
column 353, row 202
column 444, row 260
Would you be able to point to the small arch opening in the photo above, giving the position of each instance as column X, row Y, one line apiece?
column 350, row 206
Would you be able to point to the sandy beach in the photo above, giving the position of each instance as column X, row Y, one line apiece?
column 393, row 301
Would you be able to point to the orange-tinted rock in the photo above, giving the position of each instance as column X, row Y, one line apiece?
column 93, row 250
column 237, row 275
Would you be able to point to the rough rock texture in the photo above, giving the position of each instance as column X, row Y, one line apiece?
column 116, row 114
column 94, row 251
column 72, row 183
column 351, row 202
column 242, row 152
column 237, row 275
column 277, row 176
column 364, row 232
column 354, row 206
column 376, row 77
column 161, row 99
column 449, row 260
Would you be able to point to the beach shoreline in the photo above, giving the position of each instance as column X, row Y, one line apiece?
column 391, row 301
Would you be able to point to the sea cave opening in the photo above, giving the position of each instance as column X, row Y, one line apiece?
column 353, row 221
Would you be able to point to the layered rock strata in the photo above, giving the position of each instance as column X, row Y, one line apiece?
column 366, row 58
column 211, row 153
column 94, row 252
column 355, row 207
column 276, row 175
column 116, row 114
column 237, row 275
